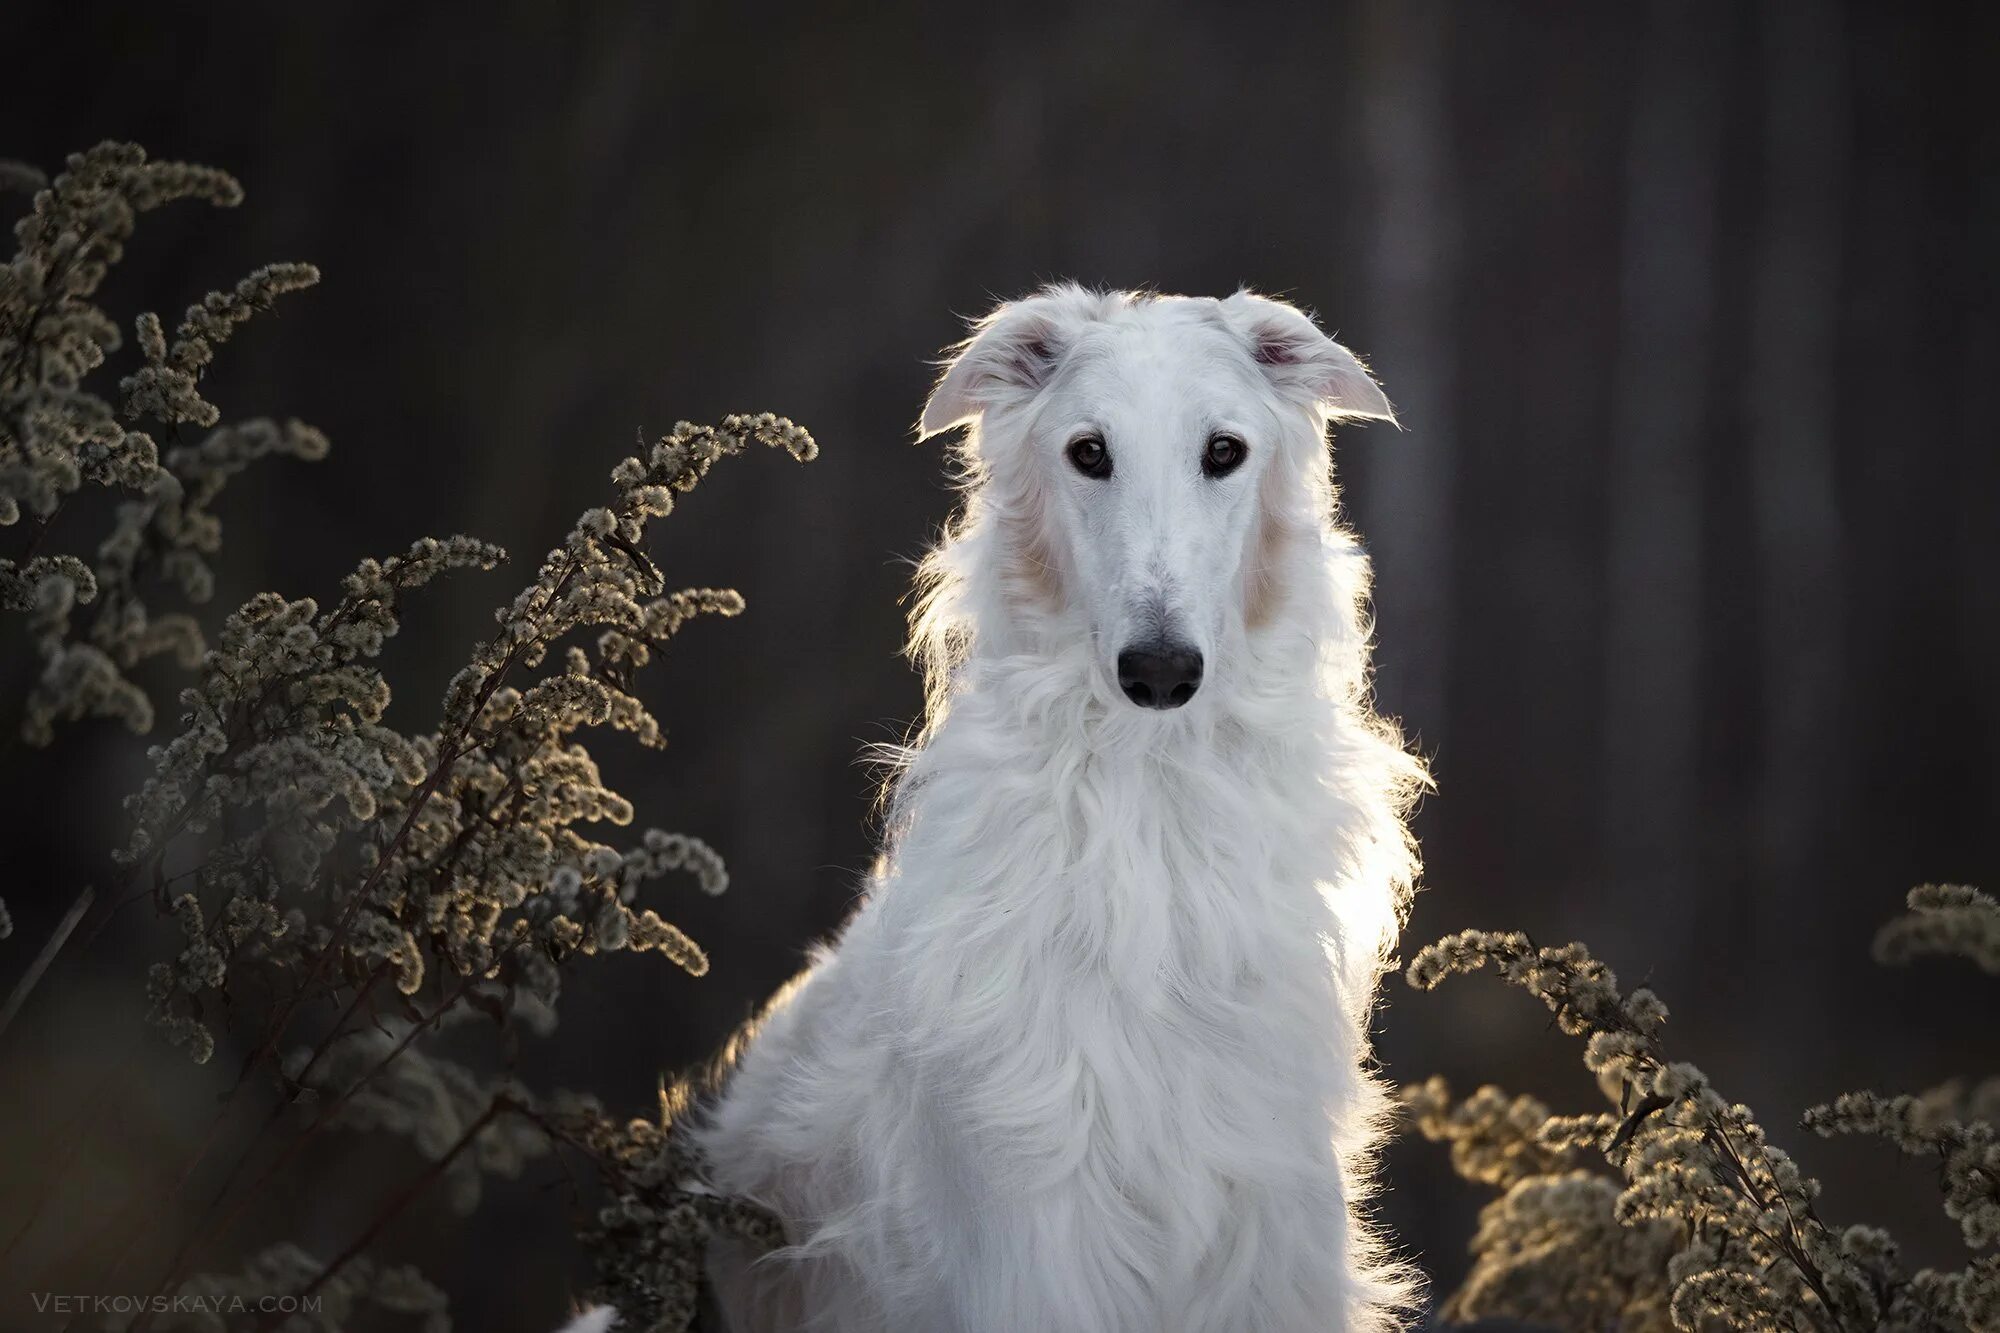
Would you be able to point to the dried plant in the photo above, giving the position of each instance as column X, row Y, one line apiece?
column 337, row 893
column 1706, row 1224
column 650, row 1236
column 59, row 435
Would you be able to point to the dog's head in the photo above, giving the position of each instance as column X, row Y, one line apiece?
column 1147, row 460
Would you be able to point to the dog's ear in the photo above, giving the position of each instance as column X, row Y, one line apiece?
column 1011, row 354
column 1290, row 349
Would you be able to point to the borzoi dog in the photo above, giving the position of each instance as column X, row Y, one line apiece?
column 1091, row 1055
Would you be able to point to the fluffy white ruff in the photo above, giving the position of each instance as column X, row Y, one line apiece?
column 1091, row 1054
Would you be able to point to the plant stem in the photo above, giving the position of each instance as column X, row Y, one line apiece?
column 198, row 1231
column 207, row 1230
column 394, row 1208
column 32, row 977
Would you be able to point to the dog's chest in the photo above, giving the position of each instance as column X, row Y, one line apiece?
column 1118, row 993
column 1148, row 1027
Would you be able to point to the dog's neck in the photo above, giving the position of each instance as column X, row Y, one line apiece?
column 1276, row 762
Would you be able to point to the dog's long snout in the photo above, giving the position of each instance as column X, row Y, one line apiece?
column 1159, row 674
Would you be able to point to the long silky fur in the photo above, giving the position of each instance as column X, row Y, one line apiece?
column 1092, row 1052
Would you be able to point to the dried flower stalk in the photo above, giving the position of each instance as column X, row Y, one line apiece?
column 1706, row 1225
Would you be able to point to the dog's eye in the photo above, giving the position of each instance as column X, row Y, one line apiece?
column 1225, row 453
column 1090, row 457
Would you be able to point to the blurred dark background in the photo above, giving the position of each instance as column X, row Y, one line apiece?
column 1688, row 554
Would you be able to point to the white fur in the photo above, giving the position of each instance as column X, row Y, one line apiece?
column 1091, row 1054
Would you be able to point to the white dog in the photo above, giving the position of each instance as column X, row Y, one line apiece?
column 1091, row 1055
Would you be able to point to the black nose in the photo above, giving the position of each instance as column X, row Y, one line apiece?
column 1159, row 675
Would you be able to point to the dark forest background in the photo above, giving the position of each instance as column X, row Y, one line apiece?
column 1688, row 552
